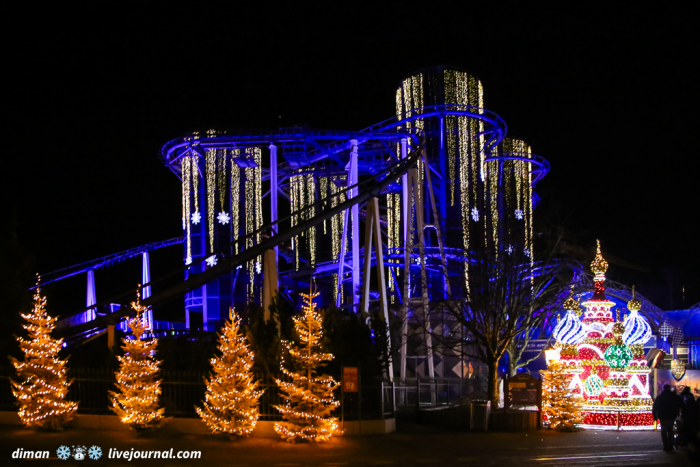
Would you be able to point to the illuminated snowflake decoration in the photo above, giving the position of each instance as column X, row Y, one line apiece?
column 63, row 452
column 95, row 452
column 258, row 267
column 418, row 261
column 475, row 214
column 519, row 214
column 223, row 218
column 527, row 252
column 196, row 217
column 188, row 261
column 510, row 249
column 212, row 261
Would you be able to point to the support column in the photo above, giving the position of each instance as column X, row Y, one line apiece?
column 270, row 284
column 420, row 226
column 406, row 216
column 146, row 291
column 273, row 196
column 91, row 296
column 373, row 233
column 355, row 227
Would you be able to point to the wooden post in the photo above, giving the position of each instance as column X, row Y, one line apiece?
column 110, row 337
column 269, row 281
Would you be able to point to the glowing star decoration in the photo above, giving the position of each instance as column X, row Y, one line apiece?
column 308, row 397
column 519, row 214
column 475, row 214
column 42, row 392
column 138, row 386
column 570, row 330
column 637, row 330
column 594, row 385
column 231, row 404
column 212, row 261
column 196, row 218
column 223, row 218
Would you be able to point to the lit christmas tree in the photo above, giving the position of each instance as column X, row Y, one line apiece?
column 231, row 404
column 309, row 397
column 561, row 407
column 136, row 403
column 41, row 395
column 606, row 360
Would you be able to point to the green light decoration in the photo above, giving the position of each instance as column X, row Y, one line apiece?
column 594, row 385
column 618, row 356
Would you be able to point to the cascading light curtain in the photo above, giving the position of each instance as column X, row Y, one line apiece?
column 253, row 213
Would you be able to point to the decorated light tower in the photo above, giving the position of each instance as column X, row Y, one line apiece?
column 606, row 359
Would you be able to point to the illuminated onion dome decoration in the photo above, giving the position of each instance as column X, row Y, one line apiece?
column 637, row 329
column 570, row 330
column 608, row 368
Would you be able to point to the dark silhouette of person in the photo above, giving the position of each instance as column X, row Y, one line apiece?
column 689, row 418
column 665, row 409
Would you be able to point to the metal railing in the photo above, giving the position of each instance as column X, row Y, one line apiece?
column 183, row 390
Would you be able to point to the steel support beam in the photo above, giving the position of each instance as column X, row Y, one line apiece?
column 373, row 232
column 407, row 224
column 146, row 291
column 91, row 296
column 355, row 227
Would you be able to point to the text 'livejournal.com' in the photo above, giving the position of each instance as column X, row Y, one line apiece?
column 80, row 453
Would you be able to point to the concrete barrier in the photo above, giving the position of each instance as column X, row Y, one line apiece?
column 194, row 426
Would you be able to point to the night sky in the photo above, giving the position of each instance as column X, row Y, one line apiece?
column 606, row 93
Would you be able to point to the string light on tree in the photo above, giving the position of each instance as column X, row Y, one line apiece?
column 42, row 393
column 231, row 404
column 136, row 401
column 560, row 406
column 308, row 397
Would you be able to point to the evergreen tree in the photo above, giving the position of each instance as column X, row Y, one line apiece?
column 561, row 407
column 41, row 395
column 231, row 404
column 309, row 397
column 136, row 403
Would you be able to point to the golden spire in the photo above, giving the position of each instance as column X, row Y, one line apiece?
column 571, row 304
column 634, row 304
column 599, row 265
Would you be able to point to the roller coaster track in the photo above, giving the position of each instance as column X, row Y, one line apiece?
column 334, row 143
column 366, row 190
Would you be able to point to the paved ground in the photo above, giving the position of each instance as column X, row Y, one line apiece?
column 413, row 446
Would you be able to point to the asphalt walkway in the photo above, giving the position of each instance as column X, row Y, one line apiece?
column 414, row 445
